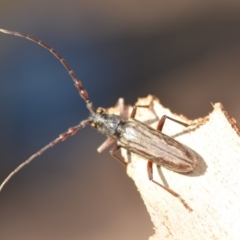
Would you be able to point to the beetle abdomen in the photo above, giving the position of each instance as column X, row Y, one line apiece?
column 156, row 146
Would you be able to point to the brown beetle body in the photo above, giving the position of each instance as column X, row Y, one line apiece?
column 156, row 147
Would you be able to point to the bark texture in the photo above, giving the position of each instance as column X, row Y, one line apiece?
column 212, row 190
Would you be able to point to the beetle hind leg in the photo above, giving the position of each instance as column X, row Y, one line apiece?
column 150, row 176
column 163, row 119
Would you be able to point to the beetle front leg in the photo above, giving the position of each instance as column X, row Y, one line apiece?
column 108, row 142
column 122, row 108
column 113, row 151
column 150, row 176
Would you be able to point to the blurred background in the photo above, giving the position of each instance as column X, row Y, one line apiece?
column 186, row 53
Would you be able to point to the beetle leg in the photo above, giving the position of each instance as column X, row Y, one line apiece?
column 162, row 121
column 150, row 106
column 113, row 151
column 134, row 111
column 105, row 144
column 150, row 176
column 123, row 109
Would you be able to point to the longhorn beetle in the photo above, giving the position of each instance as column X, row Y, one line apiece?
column 130, row 134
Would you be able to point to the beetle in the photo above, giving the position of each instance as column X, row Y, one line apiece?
column 130, row 134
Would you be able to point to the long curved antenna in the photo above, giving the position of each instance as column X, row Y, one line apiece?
column 78, row 84
column 71, row 131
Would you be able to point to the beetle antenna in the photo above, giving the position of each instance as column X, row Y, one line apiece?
column 71, row 131
column 78, row 84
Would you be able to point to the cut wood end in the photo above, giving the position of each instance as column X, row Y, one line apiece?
column 211, row 190
column 231, row 120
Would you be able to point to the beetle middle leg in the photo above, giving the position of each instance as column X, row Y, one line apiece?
column 150, row 176
column 162, row 121
column 150, row 106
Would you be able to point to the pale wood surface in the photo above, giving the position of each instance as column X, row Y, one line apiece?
column 211, row 190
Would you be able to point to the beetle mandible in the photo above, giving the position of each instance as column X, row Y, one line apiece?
column 130, row 134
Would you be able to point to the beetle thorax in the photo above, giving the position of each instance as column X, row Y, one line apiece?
column 107, row 124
